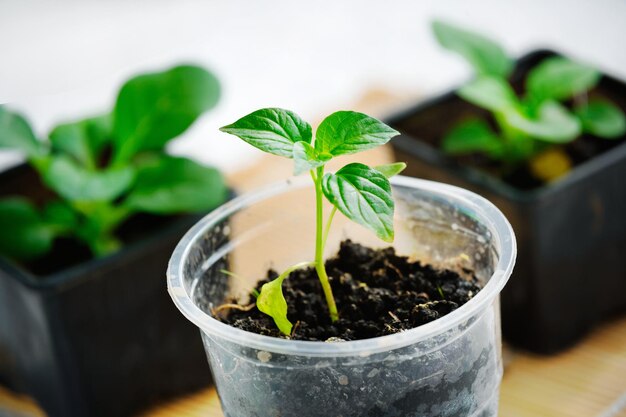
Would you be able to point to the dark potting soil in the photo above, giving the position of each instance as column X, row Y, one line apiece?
column 377, row 293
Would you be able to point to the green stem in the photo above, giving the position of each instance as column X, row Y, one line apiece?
column 90, row 162
column 119, row 158
column 101, row 221
column 319, row 246
column 40, row 164
column 105, row 244
column 292, row 268
column 328, row 223
column 518, row 145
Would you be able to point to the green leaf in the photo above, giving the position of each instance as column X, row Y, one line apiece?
column 25, row 235
column 98, row 220
column 389, row 170
column 603, row 119
column 170, row 185
column 105, row 245
column 16, row 133
column 271, row 300
column 490, row 93
column 346, row 132
column 363, row 195
column 554, row 123
column 76, row 183
column 485, row 55
column 473, row 136
column 271, row 130
column 559, row 78
column 153, row 108
column 83, row 139
column 307, row 158
column 61, row 216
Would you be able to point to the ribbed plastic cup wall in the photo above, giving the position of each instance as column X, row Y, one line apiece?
column 449, row 367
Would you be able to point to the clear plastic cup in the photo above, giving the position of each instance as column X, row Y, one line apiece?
column 449, row 367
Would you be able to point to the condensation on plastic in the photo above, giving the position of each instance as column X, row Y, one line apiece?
column 449, row 367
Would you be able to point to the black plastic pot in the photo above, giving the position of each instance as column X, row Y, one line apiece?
column 571, row 271
column 101, row 338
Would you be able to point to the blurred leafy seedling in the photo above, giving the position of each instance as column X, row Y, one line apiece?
column 105, row 169
column 528, row 126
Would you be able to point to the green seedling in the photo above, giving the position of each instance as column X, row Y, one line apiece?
column 528, row 124
column 361, row 193
column 443, row 297
column 104, row 169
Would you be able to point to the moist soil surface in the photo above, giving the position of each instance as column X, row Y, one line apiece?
column 377, row 293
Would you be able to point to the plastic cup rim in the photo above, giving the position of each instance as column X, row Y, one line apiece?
column 485, row 212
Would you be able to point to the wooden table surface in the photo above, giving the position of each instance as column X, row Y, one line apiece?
column 587, row 380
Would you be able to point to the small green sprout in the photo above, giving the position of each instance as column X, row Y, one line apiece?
column 361, row 193
column 529, row 124
column 440, row 292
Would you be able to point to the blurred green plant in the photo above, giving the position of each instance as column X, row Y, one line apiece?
column 529, row 124
column 105, row 169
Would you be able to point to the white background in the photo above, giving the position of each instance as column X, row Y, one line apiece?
column 65, row 59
